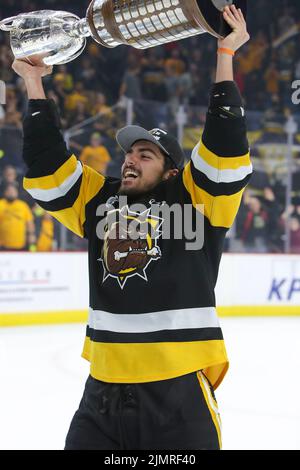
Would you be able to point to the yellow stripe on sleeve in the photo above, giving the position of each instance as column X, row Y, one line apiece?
column 222, row 163
column 220, row 210
column 74, row 217
column 54, row 180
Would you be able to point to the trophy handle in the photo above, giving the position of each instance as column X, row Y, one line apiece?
column 6, row 27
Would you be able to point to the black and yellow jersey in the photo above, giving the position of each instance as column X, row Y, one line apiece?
column 152, row 312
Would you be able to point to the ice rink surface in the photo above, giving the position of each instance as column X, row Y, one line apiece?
column 43, row 376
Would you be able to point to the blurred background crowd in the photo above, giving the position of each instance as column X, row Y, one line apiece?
column 167, row 86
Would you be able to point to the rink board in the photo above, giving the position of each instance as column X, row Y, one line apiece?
column 39, row 288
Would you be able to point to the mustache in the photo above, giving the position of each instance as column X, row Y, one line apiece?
column 131, row 168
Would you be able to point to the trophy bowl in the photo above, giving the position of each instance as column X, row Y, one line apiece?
column 43, row 36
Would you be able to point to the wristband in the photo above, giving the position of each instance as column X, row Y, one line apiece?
column 225, row 50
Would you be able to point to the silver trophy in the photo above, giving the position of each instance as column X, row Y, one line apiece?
column 58, row 37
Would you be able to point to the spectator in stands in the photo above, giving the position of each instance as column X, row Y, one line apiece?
column 76, row 96
column 274, row 234
column 60, row 95
column 199, row 85
column 9, row 176
column 96, row 155
column 175, row 62
column 197, row 58
column 100, row 106
column 172, row 84
column 78, row 115
column 64, row 77
column 131, row 84
column 17, row 229
column 45, row 241
column 271, row 77
column 104, row 123
column 21, row 95
column 259, row 222
column 12, row 117
column 254, row 230
column 185, row 83
column 88, row 74
column 153, row 76
column 6, row 58
column 45, row 229
column 292, row 213
column 295, row 234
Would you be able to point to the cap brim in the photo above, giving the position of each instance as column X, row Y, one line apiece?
column 127, row 136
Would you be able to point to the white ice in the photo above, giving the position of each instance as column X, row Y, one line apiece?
column 42, row 377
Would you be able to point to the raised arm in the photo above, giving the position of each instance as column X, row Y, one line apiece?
column 55, row 178
column 228, row 46
column 220, row 166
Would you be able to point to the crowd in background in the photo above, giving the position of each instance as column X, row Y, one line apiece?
column 178, row 73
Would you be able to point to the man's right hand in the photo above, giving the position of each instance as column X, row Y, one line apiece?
column 28, row 71
column 32, row 75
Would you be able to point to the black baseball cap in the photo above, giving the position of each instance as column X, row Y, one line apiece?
column 127, row 136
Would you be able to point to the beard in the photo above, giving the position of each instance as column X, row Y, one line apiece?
column 136, row 192
column 132, row 192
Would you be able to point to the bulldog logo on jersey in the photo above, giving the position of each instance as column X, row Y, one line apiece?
column 130, row 244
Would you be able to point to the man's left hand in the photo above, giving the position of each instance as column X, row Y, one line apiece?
column 239, row 36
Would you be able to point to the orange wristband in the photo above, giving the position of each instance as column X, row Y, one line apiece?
column 224, row 50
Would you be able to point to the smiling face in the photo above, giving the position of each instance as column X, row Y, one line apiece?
column 143, row 168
